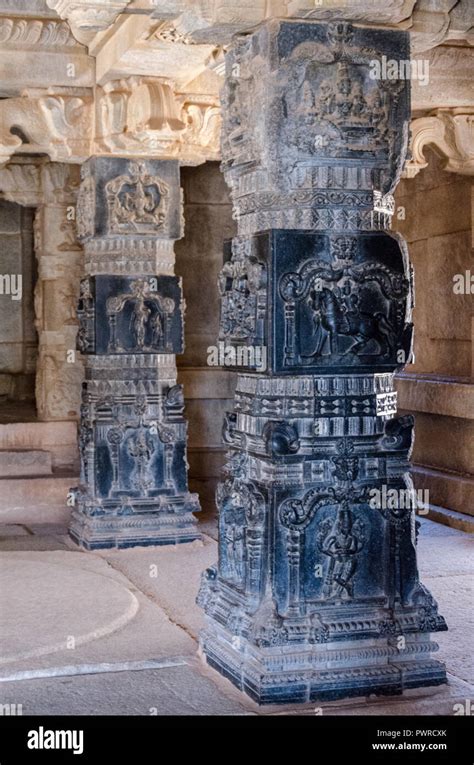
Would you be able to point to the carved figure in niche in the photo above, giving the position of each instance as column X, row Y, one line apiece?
column 237, row 112
column 325, row 103
column 307, row 108
column 321, row 335
column 68, row 300
column 156, row 329
column 343, row 92
column 82, row 339
column 138, row 322
column 137, row 201
column 359, row 104
column 337, row 107
column 234, row 545
column 378, row 111
column 141, row 449
column 57, row 386
column 341, row 540
column 149, row 318
column 232, row 503
column 346, row 464
column 240, row 284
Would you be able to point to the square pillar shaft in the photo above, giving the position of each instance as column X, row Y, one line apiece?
column 133, row 488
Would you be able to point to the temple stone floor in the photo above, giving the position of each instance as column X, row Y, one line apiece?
column 116, row 632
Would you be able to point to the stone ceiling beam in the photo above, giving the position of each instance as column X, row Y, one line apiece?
column 149, row 85
column 141, row 45
column 432, row 21
column 451, row 71
column 368, row 11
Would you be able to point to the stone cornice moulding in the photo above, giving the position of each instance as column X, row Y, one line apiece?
column 451, row 134
column 368, row 11
column 41, row 52
column 37, row 33
column 132, row 117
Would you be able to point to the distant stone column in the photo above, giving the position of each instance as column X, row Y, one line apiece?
column 316, row 592
column 59, row 258
column 133, row 488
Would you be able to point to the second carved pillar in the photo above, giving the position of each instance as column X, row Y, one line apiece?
column 133, row 488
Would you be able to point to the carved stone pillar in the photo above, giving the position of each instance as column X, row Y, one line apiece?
column 133, row 487
column 52, row 189
column 316, row 593
column 59, row 256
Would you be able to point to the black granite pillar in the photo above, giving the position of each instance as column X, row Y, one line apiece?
column 316, row 592
column 133, row 488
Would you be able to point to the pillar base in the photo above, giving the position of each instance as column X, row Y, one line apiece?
column 333, row 671
column 142, row 527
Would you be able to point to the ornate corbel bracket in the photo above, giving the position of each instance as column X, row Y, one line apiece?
column 21, row 183
column 54, row 122
column 33, row 184
column 451, row 134
column 87, row 17
column 143, row 115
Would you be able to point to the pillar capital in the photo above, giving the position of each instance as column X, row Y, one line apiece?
column 137, row 199
column 321, row 94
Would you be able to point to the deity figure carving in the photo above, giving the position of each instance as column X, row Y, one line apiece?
column 341, row 540
column 151, row 315
column 141, row 448
column 137, row 200
column 140, row 315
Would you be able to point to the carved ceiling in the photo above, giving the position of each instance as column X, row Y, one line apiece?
column 142, row 77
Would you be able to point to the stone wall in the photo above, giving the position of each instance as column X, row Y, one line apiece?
column 439, row 387
column 18, row 343
column 438, row 230
column 208, row 390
